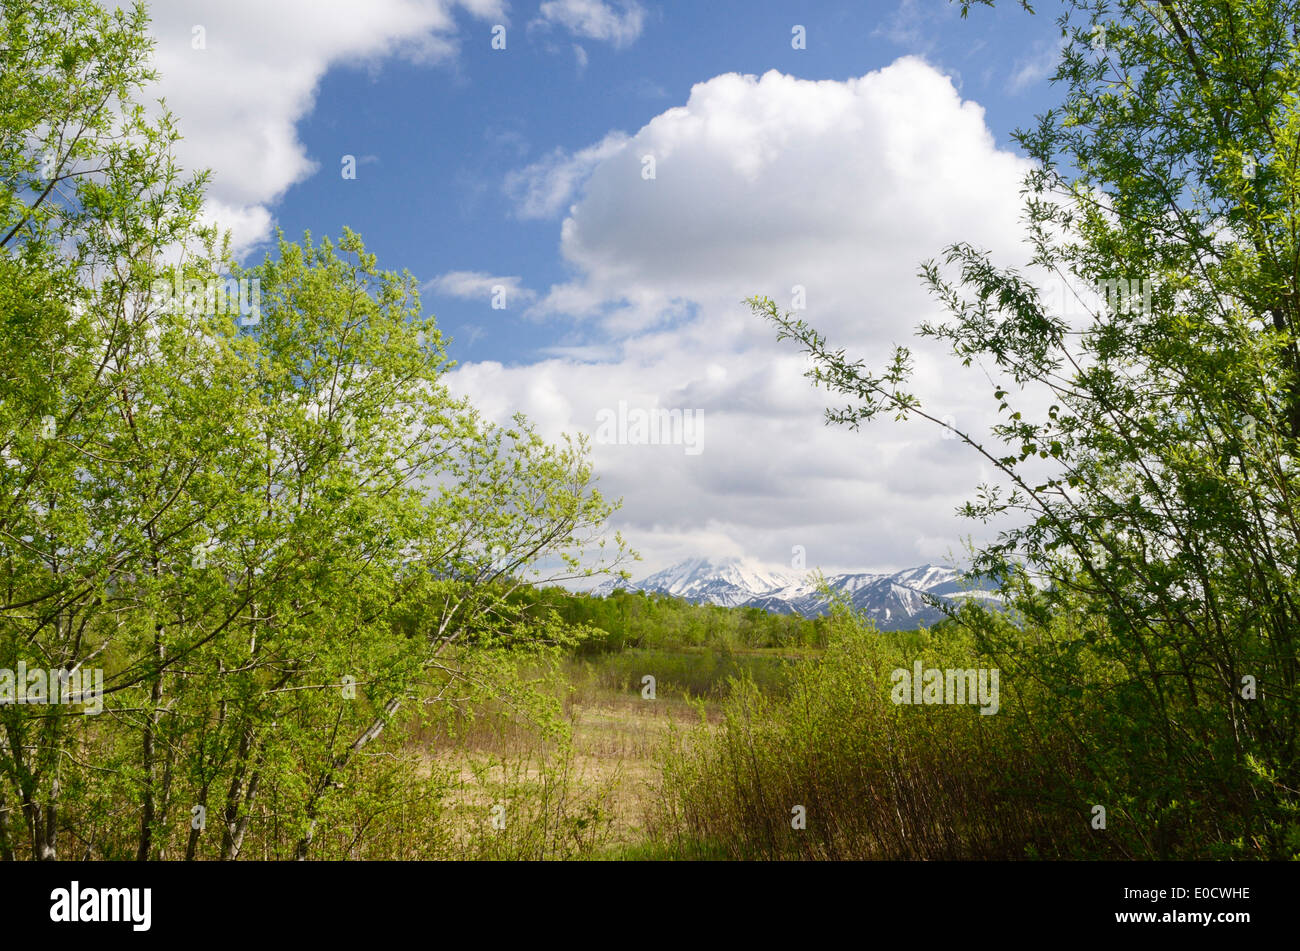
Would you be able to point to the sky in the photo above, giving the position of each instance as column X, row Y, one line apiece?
column 587, row 191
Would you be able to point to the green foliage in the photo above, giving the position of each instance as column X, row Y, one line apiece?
column 276, row 541
column 689, row 673
column 637, row 619
column 1156, row 493
column 875, row 779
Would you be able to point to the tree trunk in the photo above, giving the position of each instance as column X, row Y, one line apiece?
column 147, row 809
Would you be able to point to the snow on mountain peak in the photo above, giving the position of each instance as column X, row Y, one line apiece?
column 892, row 600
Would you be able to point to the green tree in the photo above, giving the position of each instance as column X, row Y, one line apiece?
column 1156, row 494
column 89, row 201
column 273, row 530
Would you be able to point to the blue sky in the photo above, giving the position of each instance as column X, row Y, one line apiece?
column 834, row 169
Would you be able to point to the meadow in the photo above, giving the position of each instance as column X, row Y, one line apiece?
column 754, row 753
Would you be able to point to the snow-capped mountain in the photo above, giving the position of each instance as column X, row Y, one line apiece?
column 893, row 601
column 730, row 583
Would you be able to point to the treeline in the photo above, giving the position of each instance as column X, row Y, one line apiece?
column 639, row 619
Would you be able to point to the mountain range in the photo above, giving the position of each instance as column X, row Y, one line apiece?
column 893, row 601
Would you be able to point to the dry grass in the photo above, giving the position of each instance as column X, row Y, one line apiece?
column 618, row 740
column 580, row 796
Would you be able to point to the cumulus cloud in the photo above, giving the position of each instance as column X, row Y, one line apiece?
column 760, row 184
column 774, row 185
column 595, row 19
column 239, row 92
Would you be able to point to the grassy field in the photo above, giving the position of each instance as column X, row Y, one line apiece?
column 587, row 791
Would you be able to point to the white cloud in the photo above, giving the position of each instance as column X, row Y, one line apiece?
column 762, row 184
column 543, row 188
column 595, row 19
column 478, row 285
column 913, row 26
column 247, row 224
column 240, row 96
column 1037, row 66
